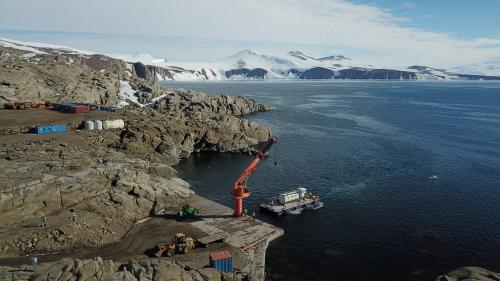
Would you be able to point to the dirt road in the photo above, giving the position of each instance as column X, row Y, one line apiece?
column 35, row 117
column 134, row 246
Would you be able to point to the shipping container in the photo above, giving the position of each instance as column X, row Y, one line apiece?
column 222, row 261
column 42, row 130
column 80, row 109
column 288, row 197
column 47, row 129
column 71, row 108
column 58, row 128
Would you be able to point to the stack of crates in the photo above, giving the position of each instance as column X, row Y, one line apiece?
column 222, row 261
column 48, row 129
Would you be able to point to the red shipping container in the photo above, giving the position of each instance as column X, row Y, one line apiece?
column 222, row 261
column 81, row 109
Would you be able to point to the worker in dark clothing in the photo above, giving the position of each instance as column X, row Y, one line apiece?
column 44, row 222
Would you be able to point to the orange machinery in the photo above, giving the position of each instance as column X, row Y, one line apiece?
column 240, row 189
column 26, row 105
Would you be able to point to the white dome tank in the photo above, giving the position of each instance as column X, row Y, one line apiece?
column 89, row 125
column 98, row 125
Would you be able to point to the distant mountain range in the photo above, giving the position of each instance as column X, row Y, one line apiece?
column 251, row 65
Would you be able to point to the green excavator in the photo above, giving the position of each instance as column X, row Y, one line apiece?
column 187, row 211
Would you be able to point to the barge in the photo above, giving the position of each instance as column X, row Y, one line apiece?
column 292, row 202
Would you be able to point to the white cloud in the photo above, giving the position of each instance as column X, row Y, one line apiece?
column 408, row 5
column 372, row 31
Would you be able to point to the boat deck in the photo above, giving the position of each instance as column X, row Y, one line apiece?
column 277, row 208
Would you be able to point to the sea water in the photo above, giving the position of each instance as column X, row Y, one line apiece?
column 409, row 173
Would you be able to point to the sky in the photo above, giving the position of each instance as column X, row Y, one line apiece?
column 439, row 33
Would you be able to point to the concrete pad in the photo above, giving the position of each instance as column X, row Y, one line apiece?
column 251, row 237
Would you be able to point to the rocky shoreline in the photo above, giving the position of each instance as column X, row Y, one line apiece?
column 94, row 186
column 99, row 269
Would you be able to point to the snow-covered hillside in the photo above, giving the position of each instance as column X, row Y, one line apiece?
column 40, row 48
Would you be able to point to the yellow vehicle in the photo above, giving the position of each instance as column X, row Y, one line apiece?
column 180, row 245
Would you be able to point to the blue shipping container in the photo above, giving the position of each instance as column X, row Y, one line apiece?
column 222, row 261
column 50, row 129
column 58, row 128
column 42, row 129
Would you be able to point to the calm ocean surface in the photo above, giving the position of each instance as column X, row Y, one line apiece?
column 409, row 173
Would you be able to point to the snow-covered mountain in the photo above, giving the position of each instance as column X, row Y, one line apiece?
column 249, row 64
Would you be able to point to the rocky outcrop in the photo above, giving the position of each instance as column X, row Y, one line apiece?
column 190, row 101
column 46, row 77
column 150, row 72
column 70, row 183
column 105, row 270
column 194, row 131
column 470, row 273
column 70, row 77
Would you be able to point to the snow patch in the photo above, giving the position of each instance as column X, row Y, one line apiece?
column 143, row 58
column 159, row 77
column 11, row 44
column 127, row 94
column 28, row 55
column 35, row 47
column 187, row 75
column 153, row 101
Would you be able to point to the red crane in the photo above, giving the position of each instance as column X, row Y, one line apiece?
column 240, row 189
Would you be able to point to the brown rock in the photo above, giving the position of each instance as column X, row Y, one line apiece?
column 470, row 273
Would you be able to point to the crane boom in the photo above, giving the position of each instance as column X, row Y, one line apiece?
column 240, row 189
